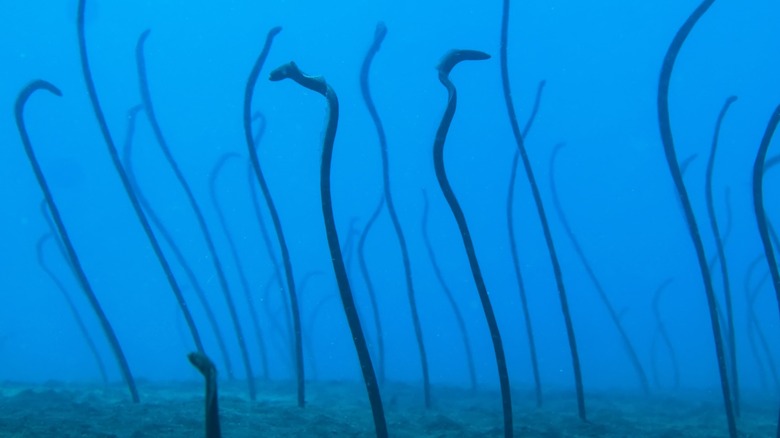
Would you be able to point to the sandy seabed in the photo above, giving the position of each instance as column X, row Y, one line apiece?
column 339, row 409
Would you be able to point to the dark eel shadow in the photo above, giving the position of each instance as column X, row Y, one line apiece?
column 449, row 61
column 318, row 85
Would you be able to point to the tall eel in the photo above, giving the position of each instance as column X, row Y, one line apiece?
column 529, row 172
column 446, row 65
column 318, row 85
column 253, row 156
column 758, row 204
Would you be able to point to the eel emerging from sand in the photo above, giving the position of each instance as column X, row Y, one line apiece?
column 206, row 367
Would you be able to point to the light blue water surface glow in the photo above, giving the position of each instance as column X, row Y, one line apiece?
column 601, row 61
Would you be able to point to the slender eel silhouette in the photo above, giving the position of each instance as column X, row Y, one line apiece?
column 206, row 367
column 450, row 298
column 664, row 335
column 613, row 314
column 318, row 85
column 39, row 251
column 510, row 220
column 154, row 218
column 288, row 271
column 146, row 97
column 449, row 61
column 86, row 287
column 126, row 183
column 758, row 204
column 361, row 251
column 236, row 259
column 731, row 339
column 664, row 121
column 575, row 358
column 379, row 36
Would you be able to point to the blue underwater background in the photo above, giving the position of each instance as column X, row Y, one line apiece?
column 600, row 61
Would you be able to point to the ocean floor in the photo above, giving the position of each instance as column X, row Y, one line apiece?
column 339, row 409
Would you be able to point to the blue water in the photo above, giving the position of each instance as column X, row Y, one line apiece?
column 601, row 62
